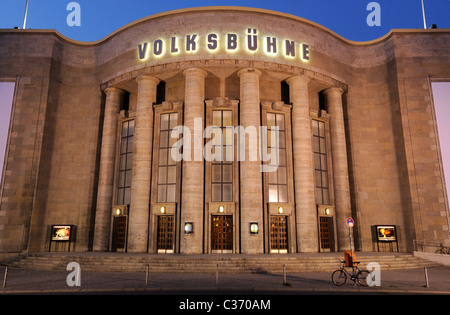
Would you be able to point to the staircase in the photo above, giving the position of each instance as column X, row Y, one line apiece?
column 226, row 263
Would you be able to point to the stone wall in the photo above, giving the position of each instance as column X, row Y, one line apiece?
column 52, row 168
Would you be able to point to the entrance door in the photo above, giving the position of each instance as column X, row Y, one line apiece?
column 326, row 234
column 165, row 233
column 278, row 234
column 119, row 233
column 222, row 234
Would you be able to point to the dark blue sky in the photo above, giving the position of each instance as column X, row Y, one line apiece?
column 345, row 17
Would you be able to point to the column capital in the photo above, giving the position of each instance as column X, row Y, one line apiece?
column 298, row 78
column 333, row 89
column 114, row 90
column 195, row 71
column 248, row 71
column 146, row 77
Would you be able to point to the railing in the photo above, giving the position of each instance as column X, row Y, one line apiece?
column 430, row 247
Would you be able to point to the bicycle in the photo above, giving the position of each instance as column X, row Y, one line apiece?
column 339, row 276
column 443, row 250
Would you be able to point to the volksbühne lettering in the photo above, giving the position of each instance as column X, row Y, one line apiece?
column 251, row 41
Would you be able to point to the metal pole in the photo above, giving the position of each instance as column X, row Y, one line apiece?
column 284, row 275
column 4, row 278
column 217, row 274
column 426, row 277
column 25, row 17
column 423, row 13
column 351, row 243
column 146, row 274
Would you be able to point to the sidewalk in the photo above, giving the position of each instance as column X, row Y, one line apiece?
column 25, row 281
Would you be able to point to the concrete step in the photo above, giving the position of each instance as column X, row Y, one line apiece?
column 294, row 263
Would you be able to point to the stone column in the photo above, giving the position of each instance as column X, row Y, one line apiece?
column 250, row 175
column 142, row 165
column 103, row 212
column 305, row 201
column 333, row 100
column 193, row 177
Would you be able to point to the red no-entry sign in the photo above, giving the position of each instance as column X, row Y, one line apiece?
column 350, row 222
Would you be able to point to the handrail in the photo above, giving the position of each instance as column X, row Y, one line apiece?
column 427, row 246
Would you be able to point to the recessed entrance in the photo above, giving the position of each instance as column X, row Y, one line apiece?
column 222, row 234
column 278, row 234
column 165, row 233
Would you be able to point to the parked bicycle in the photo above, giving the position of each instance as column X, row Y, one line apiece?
column 340, row 276
column 443, row 250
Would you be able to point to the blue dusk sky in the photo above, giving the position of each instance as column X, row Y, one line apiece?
column 345, row 17
column 348, row 18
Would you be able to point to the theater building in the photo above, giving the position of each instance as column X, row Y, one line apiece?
column 116, row 145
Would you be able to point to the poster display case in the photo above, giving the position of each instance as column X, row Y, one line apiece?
column 61, row 235
column 386, row 234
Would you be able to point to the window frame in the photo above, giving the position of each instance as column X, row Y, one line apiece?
column 164, row 167
column 323, row 167
column 122, row 187
column 275, row 184
column 223, row 162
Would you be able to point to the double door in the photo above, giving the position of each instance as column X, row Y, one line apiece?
column 119, row 237
column 326, row 232
column 222, row 234
column 165, row 235
column 278, row 234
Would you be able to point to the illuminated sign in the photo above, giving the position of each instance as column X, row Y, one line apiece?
column 188, row 228
column 386, row 233
column 249, row 42
column 254, row 228
column 61, row 232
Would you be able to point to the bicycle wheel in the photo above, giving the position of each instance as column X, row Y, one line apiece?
column 362, row 277
column 339, row 277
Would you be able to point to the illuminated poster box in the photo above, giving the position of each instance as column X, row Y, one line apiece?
column 61, row 232
column 386, row 233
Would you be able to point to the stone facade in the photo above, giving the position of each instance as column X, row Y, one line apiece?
column 66, row 162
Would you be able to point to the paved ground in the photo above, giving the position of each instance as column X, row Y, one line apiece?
column 25, row 281
column 199, row 293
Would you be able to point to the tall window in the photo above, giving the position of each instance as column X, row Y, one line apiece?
column 6, row 101
column 278, row 188
column 167, row 167
column 320, row 162
column 222, row 170
column 126, row 162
